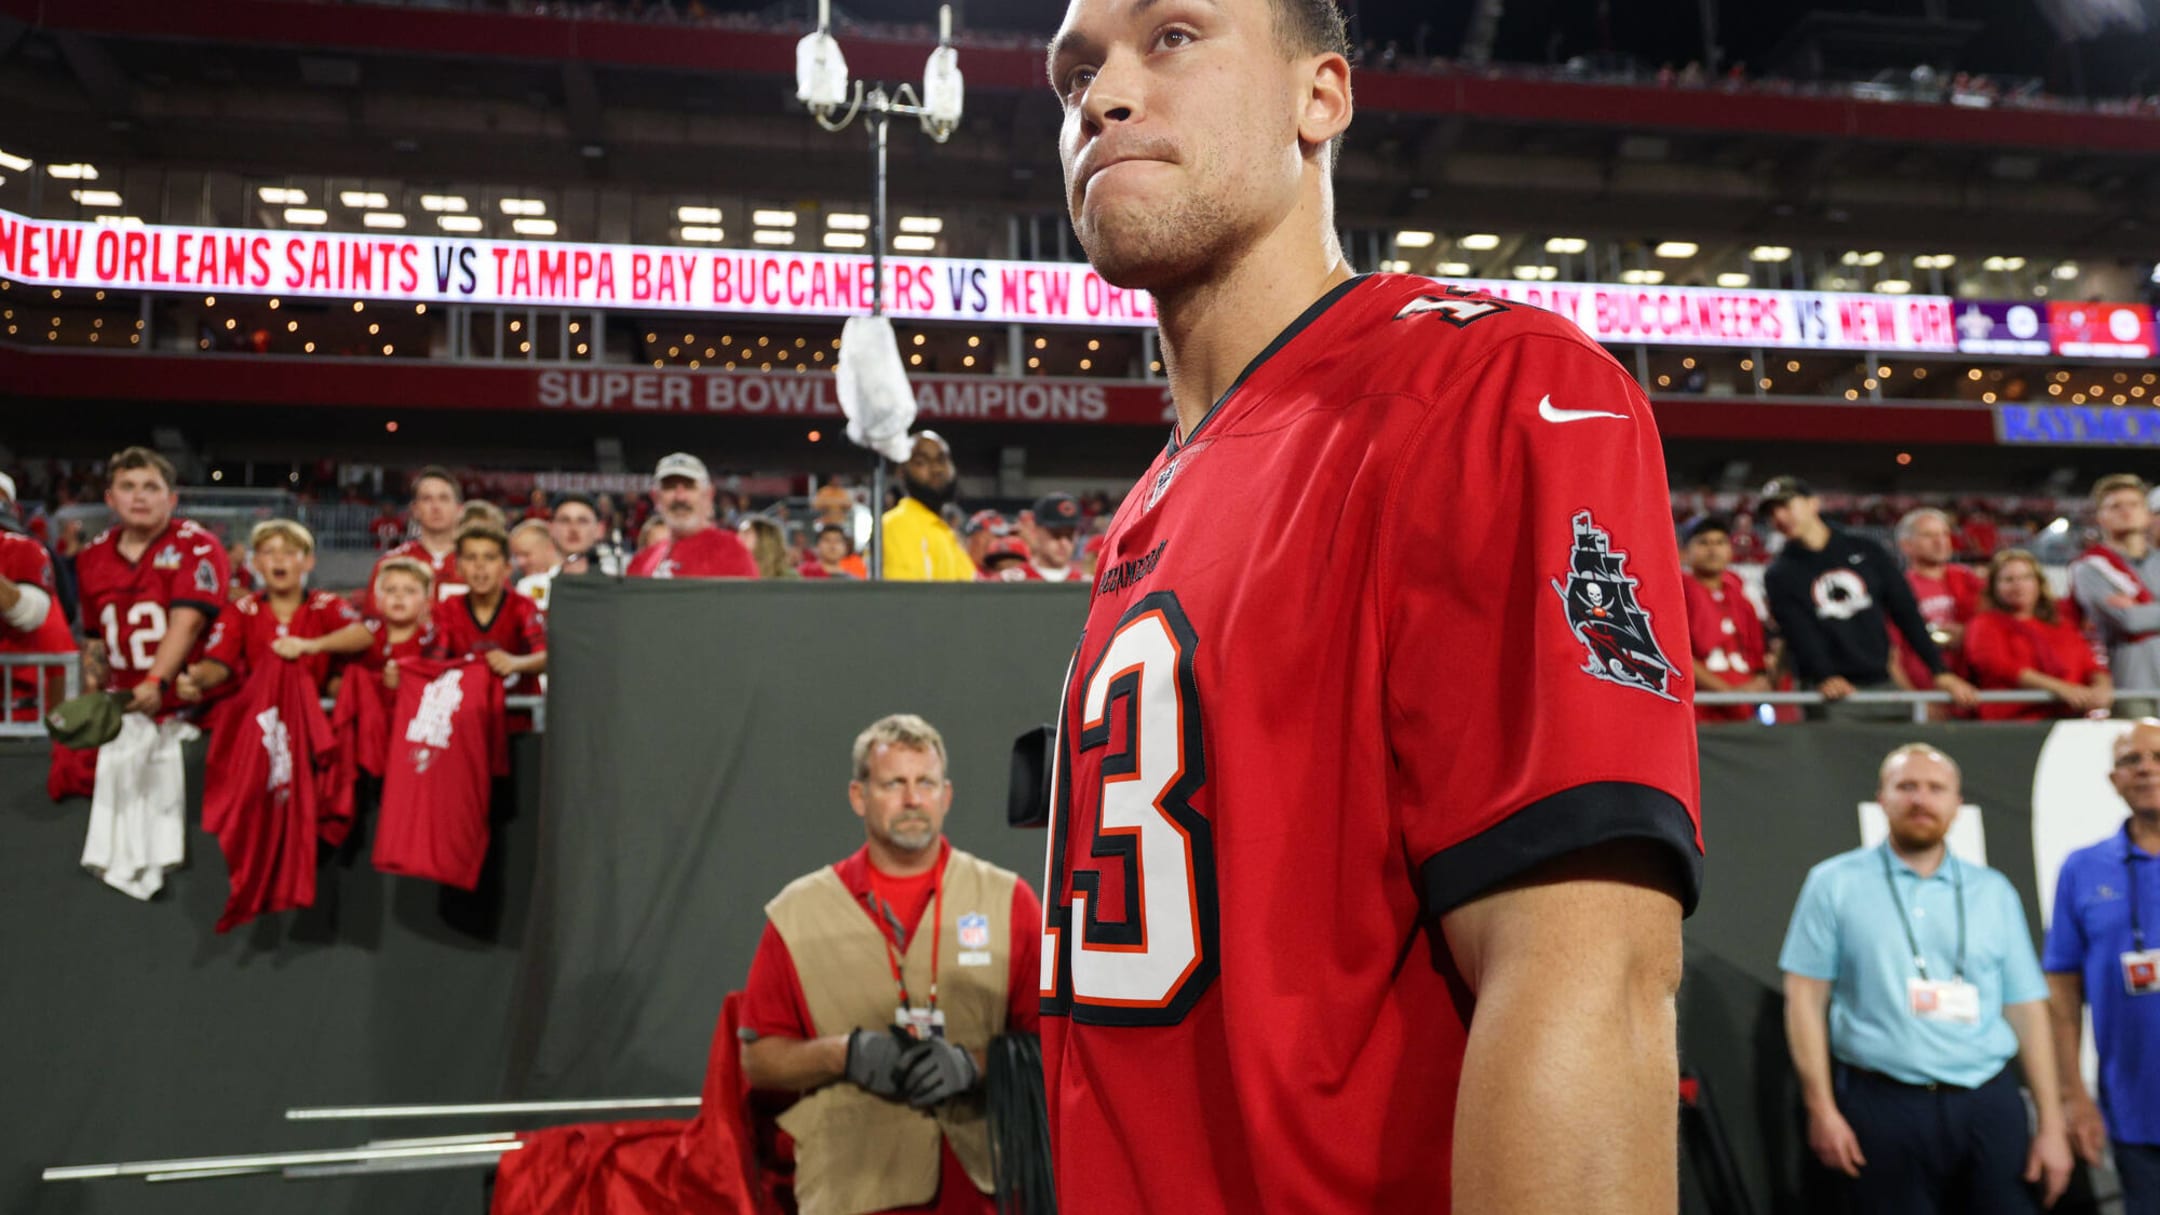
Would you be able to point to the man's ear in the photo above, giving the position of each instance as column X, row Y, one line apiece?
column 1327, row 107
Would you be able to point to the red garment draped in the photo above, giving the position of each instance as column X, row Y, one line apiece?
column 267, row 785
column 703, row 1164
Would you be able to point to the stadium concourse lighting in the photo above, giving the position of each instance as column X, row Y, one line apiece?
column 1453, row 269
column 1480, row 242
column 822, row 85
column 703, row 233
column 1566, row 244
column 306, row 215
column 73, row 172
column 383, row 219
column 698, row 215
column 364, row 200
column 847, row 221
column 442, row 202
column 1770, row 253
column 279, row 196
column 96, row 198
column 533, row 227
column 1413, row 239
column 459, row 223
column 1733, row 278
column 14, row 163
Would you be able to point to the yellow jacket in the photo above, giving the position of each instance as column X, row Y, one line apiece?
column 921, row 547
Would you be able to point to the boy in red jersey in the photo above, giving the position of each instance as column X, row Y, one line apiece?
column 404, row 628
column 1369, row 846
column 1724, row 631
column 504, row 628
column 285, row 620
column 151, row 585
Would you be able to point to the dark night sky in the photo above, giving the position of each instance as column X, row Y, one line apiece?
column 2014, row 38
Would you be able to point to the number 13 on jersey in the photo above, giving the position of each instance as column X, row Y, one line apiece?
column 1129, row 927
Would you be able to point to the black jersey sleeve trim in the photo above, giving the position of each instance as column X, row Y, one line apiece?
column 1304, row 321
column 207, row 608
column 1568, row 821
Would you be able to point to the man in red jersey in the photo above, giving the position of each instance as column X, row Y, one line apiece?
column 437, row 503
column 503, row 628
column 886, row 1122
column 694, row 547
column 1724, row 633
column 1948, row 593
column 151, row 585
column 1370, row 846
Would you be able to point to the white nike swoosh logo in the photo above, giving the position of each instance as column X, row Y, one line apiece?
column 1546, row 411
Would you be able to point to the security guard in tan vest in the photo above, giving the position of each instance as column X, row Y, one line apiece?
column 878, row 985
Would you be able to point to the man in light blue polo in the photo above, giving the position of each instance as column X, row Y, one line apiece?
column 1910, row 982
column 2103, row 947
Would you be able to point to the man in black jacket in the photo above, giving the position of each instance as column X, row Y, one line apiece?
column 1830, row 591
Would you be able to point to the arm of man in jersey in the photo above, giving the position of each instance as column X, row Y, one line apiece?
column 1537, row 703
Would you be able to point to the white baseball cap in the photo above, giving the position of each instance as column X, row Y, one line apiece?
column 7, row 487
column 681, row 464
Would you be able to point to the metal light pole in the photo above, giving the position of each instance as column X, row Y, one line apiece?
column 822, row 84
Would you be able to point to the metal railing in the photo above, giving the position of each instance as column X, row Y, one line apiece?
column 1918, row 701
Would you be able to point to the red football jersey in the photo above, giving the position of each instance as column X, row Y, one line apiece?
column 425, row 642
column 25, row 562
column 715, row 552
column 518, row 626
column 241, row 637
column 1953, row 598
column 448, row 737
column 1400, row 620
column 129, row 603
column 448, row 581
column 1726, row 635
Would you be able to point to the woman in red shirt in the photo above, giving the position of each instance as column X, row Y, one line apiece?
column 2020, row 640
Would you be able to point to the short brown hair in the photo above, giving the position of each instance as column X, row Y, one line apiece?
column 287, row 530
column 897, row 730
column 480, row 510
column 128, row 459
column 412, row 567
column 484, row 531
column 1311, row 27
column 2116, row 483
column 436, row 472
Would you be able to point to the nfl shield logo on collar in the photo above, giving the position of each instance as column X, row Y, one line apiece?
column 974, row 931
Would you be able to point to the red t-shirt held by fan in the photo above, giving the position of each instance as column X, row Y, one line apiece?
column 448, row 740
column 1462, row 652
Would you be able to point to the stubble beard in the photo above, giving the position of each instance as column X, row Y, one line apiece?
column 1155, row 249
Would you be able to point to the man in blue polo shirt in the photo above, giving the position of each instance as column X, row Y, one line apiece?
column 1910, row 982
column 2103, row 946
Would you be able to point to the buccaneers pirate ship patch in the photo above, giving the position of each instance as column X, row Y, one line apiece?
column 1604, row 615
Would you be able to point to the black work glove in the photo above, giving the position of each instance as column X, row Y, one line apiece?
column 934, row 1070
column 873, row 1062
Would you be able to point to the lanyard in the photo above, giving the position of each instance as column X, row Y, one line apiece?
column 2137, row 929
column 937, row 937
column 1958, row 876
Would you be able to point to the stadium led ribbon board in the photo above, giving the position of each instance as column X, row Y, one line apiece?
column 741, row 282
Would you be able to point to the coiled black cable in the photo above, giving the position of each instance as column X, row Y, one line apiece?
column 1019, row 1126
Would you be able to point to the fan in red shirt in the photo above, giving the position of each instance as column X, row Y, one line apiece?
column 1947, row 593
column 832, row 554
column 151, row 585
column 31, row 622
column 897, row 882
column 284, row 622
column 437, row 503
column 2020, row 639
column 491, row 621
column 694, row 547
column 405, row 625
column 1370, row 844
column 1724, row 631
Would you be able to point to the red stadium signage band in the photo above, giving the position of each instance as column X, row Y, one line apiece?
column 807, row 395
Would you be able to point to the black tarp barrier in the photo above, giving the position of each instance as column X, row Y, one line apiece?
column 696, row 760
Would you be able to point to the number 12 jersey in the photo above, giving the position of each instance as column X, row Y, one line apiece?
column 1398, row 621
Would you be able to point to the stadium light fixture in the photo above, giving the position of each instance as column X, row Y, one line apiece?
column 120, row 221
column 1642, row 278
column 280, row 196
column 845, row 240
column 1770, row 253
column 773, row 236
column 1677, row 249
column 1480, row 242
column 383, row 219
column 1566, row 245
column 1733, row 278
column 1413, row 240
column 533, row 227
column 914, row 244
column 922, row 225
column 1453, row 269
column 773, row 219
column 1893, row 286
column 443, row 202
column 14, row 163
column 2066, row 271
column 698, row 215
column 96, row 198
column 459, row 223
column 75, row 172
column 847, row 221
column 522, row 206
column 364, row 200
column 703, row 234
column 306, row 215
